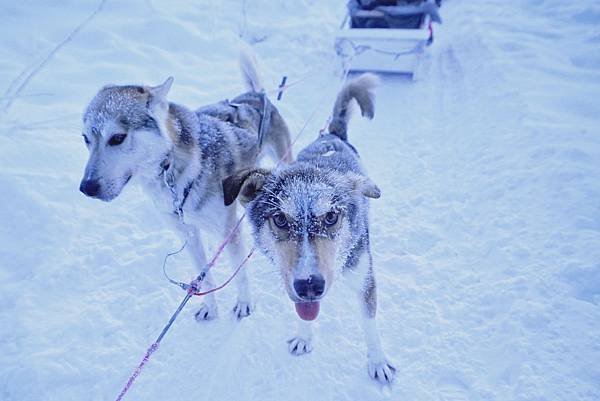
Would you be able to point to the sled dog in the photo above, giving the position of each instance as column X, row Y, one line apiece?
column 310, row 218
column 180, row 157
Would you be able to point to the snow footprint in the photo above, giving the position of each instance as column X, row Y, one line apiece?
column 452, row 388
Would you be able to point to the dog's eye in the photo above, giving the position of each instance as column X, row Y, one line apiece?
column 86, row 140
column 331, row 218
column 280, row 220
column 117, row 139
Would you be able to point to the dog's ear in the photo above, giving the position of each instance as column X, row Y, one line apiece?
column 161, row 91
column 365, row 186
column 246, row 184
column 157, row 103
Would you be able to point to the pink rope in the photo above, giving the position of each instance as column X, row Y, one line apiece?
column 237, row 270
column 137, row 370
column 226, row 241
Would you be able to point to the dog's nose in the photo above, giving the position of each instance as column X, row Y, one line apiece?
column 310, row 288
column 90, row 187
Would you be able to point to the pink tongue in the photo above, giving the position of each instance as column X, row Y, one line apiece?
column 307, row 310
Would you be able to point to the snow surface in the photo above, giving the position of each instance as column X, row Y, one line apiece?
column 486, row 239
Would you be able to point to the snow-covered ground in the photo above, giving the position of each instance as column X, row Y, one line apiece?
column 486, row 239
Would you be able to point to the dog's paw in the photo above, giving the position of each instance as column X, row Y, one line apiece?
column 299, row 346
column 384, row 372
column 206, row 313
column 242, row 310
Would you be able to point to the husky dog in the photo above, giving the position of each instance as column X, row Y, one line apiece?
column 180, row 157
column 310, row 218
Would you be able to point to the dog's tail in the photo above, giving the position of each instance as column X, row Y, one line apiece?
column 249, row 70
column 362, row 89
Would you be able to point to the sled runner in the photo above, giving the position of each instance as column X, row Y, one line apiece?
column 386, row 35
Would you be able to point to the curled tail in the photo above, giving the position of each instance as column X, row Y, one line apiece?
column 249, row 70
column 362, row 89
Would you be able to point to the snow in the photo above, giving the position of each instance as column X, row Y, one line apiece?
column 486, row 239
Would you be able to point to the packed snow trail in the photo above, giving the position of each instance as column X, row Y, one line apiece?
column 486, row 238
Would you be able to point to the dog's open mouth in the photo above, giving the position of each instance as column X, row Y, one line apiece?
column 307, row 310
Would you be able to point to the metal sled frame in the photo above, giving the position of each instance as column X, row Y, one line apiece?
column 381, row 49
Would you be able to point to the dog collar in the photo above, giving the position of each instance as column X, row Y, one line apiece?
column 168, row 173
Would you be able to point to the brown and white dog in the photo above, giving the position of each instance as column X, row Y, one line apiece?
column 180, row 157
column 310, row 218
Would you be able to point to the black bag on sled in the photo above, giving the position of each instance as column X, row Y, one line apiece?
column 391, row 14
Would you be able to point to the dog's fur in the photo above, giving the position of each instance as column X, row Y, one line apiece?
column 310, row 219
column 134, row 132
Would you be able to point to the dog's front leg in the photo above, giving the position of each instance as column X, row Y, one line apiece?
column 302, row 342
column 362, row 280
column 194, row 246
column 235, row 249
column 379, row 367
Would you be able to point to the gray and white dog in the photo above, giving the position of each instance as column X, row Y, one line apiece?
column 310, row 218
column 180, row 158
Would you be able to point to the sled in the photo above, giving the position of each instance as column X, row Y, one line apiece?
column 382, row 49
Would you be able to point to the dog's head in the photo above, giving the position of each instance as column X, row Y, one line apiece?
column 307, row 221
column 124, row 131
